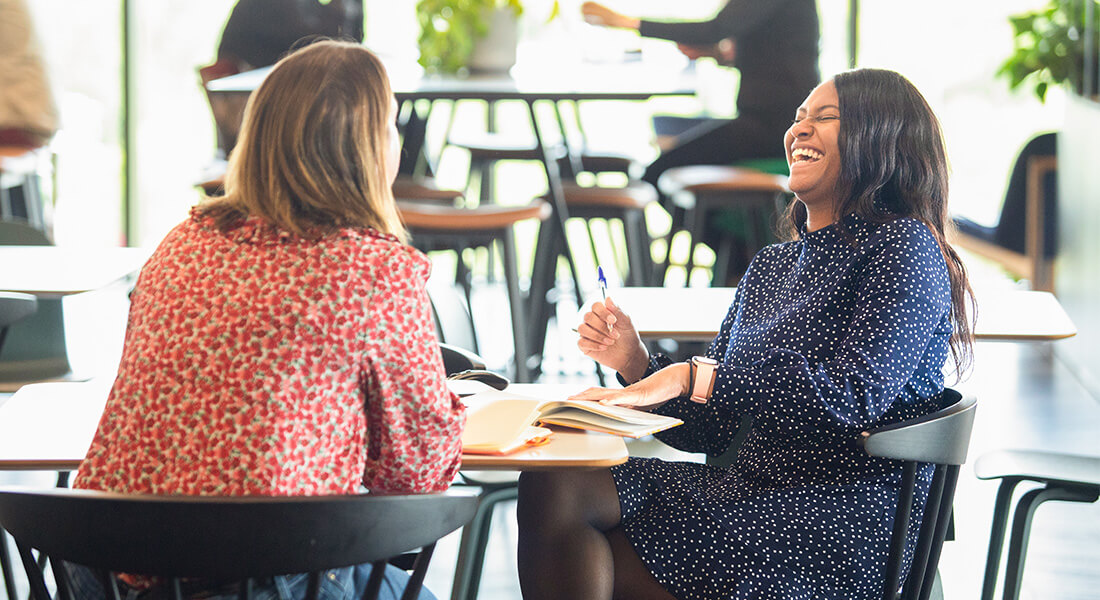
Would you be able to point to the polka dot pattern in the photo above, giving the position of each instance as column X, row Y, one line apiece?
column 259, row 362
column 843, row 330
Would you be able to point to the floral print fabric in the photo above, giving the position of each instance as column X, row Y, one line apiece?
column 260, row 362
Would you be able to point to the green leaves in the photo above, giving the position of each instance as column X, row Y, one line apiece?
column 1049, row 47
column 449, row 29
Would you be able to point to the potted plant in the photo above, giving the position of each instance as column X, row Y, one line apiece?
column 1049, row 48
column 450, row 31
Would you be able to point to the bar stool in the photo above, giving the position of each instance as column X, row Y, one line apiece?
column 750, row 197
column 486, row 150
column 626, row 204
column 438, row 226
column 1064, row 477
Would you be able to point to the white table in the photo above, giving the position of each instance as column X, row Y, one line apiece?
column 695, row 314
column 57, row 271
column 49, row 427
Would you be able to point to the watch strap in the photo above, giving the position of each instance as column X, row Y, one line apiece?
column 702, row 380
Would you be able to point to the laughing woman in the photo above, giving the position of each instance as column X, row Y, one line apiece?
column 845, row 328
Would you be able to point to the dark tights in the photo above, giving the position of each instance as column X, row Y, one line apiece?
column 570, row 542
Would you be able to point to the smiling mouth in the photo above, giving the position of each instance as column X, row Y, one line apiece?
column 802, row 155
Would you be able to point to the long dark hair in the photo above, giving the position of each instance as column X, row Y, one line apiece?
column 894, row 165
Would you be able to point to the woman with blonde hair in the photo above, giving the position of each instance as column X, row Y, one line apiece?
column 280, row 339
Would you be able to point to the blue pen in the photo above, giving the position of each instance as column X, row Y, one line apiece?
column 603, row 282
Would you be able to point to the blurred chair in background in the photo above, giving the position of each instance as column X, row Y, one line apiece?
column 1025, row 239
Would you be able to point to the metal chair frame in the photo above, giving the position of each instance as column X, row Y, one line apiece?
column 941, row 438
column 227, row 538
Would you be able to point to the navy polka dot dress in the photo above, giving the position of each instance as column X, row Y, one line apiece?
column 841, row 331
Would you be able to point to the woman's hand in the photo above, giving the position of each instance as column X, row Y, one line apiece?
column 597, row 14
column 649, row 393
column 724, row 51
column 608, row 337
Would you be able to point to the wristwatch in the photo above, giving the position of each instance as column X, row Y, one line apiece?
column 703, row 371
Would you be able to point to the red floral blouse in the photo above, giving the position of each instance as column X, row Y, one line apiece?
column 259, row 362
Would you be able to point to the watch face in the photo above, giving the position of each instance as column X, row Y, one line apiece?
column 704, row 360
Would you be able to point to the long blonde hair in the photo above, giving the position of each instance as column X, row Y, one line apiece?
column 311, row 156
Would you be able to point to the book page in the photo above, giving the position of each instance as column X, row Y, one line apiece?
column 622, row 414
column 616, row 420
column 497, row 425
column 499, row 422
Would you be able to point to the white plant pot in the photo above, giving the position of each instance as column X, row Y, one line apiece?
column 496, row 52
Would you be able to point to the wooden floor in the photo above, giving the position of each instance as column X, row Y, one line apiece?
column 1027, row 399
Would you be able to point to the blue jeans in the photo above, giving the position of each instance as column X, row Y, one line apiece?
column 339, row 584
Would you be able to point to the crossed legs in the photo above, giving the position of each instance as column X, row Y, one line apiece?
column 570, row 541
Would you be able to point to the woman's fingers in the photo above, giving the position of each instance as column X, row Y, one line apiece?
column 597, row 330
column 615, row 311
column 601, row 310
column 589, row 347
column 593, row 394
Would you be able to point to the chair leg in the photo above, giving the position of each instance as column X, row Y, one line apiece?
column 5, row 565
column 997, row 535
column 420, row 568
column 943, row 520
column 539, row 302
column 915, row 578
column 639, row 260
column 722, row 258
column 1021, row 528
column 696, row 222
column 64, row 582
column 475, row 540
column 515, row 301
column 34, row 575
column 374, row 582
column 677, row 224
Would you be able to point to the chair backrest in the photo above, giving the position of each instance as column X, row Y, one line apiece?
column 456, row 360
column 941, row 438
column 227, row 109
column 227, row 538
column 451, row 317
column 1011, row 231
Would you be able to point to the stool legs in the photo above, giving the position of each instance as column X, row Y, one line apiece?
column 639, row 261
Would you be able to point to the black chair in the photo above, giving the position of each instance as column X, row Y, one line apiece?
column 14, row 307
column 227, row 538
column 35, row 347
column 1025, row 239
column 941, row 438
column 1064, row 477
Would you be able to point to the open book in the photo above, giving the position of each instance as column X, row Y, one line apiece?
column 503, row 422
